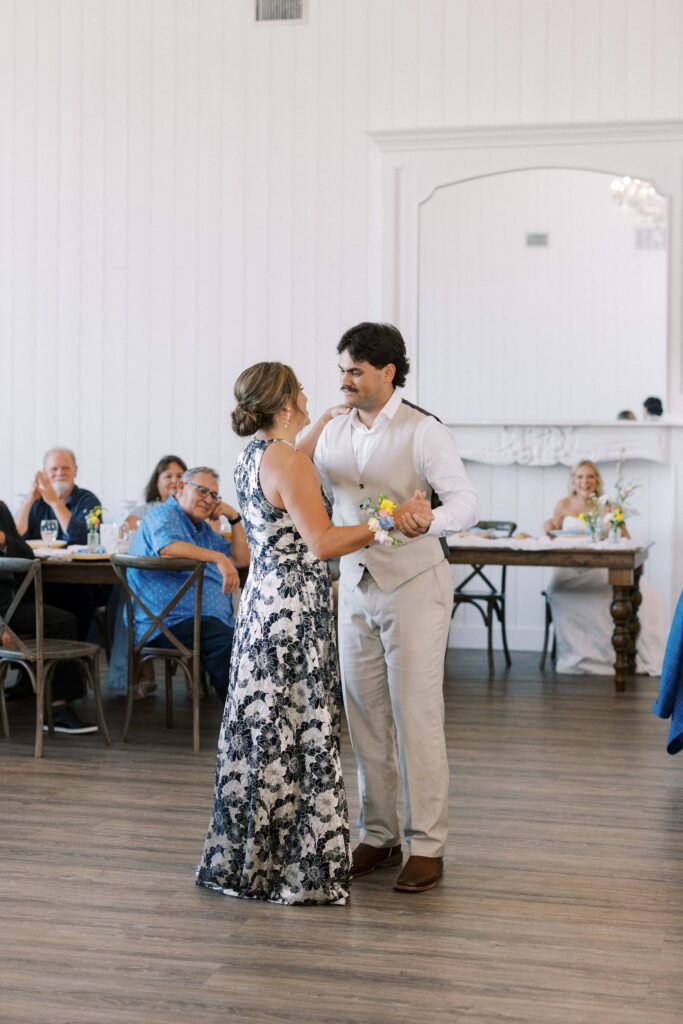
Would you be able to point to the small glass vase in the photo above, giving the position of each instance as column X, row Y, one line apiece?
column 614, row 534
column 93, row 538
column 595, row 534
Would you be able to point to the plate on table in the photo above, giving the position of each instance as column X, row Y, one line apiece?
column 81, row 554
column 41, row 544
column 582, row 534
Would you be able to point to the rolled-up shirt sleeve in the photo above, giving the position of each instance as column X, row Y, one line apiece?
column 437, row 460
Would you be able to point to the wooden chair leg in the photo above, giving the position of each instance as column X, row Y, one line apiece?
column 501, row 619
column 196, row 697
column 38, row 682
column 169, row 694
column 92, row 669
column 3, row 705
column 132, row 676
column 546, row 635
column 489, row 637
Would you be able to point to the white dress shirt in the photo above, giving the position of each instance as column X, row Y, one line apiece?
column 435, row 460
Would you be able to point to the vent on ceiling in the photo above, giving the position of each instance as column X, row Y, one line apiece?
column 279, row 10
column 536, row 238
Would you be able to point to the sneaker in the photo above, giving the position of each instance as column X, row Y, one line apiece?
column 66, row 720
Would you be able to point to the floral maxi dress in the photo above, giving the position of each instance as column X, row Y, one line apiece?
column 279, row 829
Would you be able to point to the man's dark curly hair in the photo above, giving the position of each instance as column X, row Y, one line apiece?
column 379, row 345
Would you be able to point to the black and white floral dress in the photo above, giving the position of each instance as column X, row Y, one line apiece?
column 279, row 829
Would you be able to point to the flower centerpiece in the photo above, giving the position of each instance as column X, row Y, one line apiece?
column 93, row 519
column 381, row 519
column 594, row 517
column 619, row 507
column 603, row 510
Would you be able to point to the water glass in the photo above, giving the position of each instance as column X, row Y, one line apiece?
column 109, row 535
column 49, row 528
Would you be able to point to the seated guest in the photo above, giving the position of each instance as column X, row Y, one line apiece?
column 179, row 528
column 67, row 684
column 580, row 599
column 55, row 495
column 653, row 408
column 160, row 486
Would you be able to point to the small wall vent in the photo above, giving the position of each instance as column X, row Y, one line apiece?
column 651, row 237
column 536, row 238
column 279, row 10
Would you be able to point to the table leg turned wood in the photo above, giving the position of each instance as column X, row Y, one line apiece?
column 622, row 584
column 634, row 624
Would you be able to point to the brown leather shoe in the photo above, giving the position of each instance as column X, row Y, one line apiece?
column 420, row 874
column 366, row 858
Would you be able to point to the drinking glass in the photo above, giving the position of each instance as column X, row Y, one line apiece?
column 49, row 528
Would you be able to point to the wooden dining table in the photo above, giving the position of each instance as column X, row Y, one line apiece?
column 624, row 565
column 77, row 570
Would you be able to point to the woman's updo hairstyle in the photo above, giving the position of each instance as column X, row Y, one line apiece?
column 261, row 391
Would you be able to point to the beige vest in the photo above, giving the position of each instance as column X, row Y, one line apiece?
column 389, row 471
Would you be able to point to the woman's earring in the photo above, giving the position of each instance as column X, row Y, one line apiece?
column 289, row 416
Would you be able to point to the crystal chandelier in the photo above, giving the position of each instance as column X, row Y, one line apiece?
column 641, row 197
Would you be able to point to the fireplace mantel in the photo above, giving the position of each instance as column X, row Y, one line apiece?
column 551, row 444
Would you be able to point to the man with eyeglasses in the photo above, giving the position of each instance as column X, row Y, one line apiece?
column 180, row 528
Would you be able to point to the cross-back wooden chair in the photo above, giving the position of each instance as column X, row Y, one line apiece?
column 490, row 599
column 140, row 652
column 38, row 657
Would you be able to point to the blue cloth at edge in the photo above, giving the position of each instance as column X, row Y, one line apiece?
column 669, row 703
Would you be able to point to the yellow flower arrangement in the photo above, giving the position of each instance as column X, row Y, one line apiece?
column 93, row 517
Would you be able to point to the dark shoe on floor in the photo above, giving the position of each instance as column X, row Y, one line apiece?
column 22, row 690
column 367, row 858
column 66, row 720
column 420, row 874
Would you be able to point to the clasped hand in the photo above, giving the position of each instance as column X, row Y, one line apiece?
column 42, row 488
column 414, row 516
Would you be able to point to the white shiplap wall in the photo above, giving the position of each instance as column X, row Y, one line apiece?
column 183, row 192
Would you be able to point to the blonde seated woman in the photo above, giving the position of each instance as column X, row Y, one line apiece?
column 580, row 598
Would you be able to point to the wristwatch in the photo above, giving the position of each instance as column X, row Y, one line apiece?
column 234, row 522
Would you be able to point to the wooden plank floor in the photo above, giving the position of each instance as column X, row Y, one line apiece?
column 562, row 899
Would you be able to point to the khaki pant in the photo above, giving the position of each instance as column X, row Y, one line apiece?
column 392, row 649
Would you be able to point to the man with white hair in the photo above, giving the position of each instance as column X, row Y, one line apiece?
column 54, row 494
column 180, row 528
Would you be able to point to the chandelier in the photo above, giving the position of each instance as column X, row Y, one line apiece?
column 641, row 197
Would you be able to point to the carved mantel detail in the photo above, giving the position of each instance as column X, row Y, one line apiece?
column 551, row 445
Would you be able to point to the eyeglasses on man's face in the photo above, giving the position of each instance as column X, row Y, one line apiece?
column 204, row 491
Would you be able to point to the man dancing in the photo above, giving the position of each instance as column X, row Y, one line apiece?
column 394, row 602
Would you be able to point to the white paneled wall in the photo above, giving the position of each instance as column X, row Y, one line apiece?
column 183, row 192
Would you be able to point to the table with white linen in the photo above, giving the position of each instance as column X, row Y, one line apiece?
column 624, row 563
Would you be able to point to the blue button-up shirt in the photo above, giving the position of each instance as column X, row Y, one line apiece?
column 78, row 503
column 165, row 524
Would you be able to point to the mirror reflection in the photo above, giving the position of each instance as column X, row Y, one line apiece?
column 542, row 297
